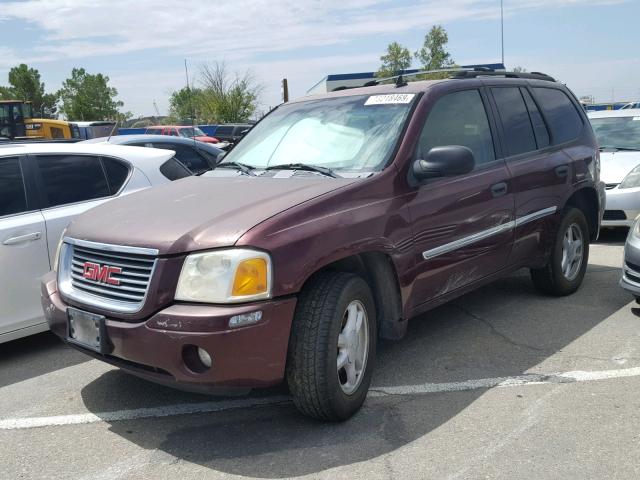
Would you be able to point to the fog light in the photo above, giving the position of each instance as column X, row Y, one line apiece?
column 204, row 357
column 245, row 319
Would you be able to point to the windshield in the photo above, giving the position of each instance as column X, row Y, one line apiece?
column 354, row 134
column 617, row 132
column 191, row 132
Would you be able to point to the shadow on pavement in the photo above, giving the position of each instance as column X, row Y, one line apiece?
column 613, row 236
column 503, row 329
column 34, row 356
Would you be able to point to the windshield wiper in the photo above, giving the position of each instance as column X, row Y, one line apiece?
column 620, row 149
column 303, row 166
column 238, row 166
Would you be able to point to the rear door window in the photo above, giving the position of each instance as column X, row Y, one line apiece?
column 72, row 178
column 564, row 120
column 518, row 131
column 459, row 118
column 13, row 198
column 539, row 127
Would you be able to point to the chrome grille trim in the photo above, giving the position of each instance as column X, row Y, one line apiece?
column 129, row 296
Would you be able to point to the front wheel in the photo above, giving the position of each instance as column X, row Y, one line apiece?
column 332, row 346
column 567, row 264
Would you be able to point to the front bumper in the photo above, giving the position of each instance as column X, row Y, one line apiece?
column 630, row 280
column 623, row 206
column 246, row 357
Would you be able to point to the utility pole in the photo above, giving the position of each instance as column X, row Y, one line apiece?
column 502, row 28
column 285, row 90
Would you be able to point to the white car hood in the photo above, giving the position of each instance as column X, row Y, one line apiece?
column 614, row 166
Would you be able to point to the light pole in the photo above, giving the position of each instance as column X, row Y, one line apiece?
column 502, row 28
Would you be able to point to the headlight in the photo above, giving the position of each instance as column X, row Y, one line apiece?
column 632, row 179
column 225, row 276
column 635, row 229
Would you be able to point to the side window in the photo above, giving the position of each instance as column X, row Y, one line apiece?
column 539, row 128
column 174, row 170
column 13, row 198
column 188, row 156
column 117, row 172
column 518, row 131
column 72, row 178
column 459, row 119
column 563, row 117
column 57, row 132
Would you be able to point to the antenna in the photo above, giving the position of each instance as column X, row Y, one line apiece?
column 502, row 29
column 115, row 125
column 193, row 113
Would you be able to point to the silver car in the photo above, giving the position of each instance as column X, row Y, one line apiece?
column 618, row 135
column 42, row 187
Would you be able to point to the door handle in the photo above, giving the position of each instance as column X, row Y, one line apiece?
column 29, row 237
column 562, row 171
column 499, row 189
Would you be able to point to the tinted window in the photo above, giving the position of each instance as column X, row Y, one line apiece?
column 57, row 132
column 518, row 131
column 187, row 156
column 539, row 128
column 459, row 119
column 563, row 117
column 72, row 178
column 117, row 173
column 174, row 170
column 12, row 194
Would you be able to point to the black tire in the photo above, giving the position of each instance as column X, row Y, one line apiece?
column 312, row 373
column 550, row 279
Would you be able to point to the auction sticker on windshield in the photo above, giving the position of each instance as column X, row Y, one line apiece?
column 389, row 99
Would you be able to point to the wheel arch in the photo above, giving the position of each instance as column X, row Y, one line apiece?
column 586, row 200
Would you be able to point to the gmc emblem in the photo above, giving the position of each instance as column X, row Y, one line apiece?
column 101, row 273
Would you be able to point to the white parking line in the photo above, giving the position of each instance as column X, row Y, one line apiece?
column 217, row 406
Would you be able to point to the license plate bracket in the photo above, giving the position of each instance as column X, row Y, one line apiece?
column 87, row 330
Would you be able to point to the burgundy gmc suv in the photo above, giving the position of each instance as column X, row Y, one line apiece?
column 334, row 221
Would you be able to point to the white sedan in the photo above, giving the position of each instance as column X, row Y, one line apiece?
column 618, row 135
column 42, row 187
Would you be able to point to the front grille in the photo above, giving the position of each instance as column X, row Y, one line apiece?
column 614, row 215
column 123, row 289
column 610, row 186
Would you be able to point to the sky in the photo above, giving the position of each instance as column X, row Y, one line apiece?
column 591, row 45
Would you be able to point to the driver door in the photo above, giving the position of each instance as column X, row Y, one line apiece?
column 462, row 225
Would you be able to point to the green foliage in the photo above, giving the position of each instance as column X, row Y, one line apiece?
column 183, row 104
column 433, row 54
column 396, row 59
column 88, row 97
column 25, row 84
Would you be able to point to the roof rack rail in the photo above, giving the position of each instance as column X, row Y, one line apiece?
column 457, row 73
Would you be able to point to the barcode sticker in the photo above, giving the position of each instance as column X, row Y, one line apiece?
column 390, row 99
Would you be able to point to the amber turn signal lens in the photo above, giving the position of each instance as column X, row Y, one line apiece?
column 251, row 278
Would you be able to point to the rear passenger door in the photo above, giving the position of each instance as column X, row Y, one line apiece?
column 23, row 249
column 462, row 225
column 72, row 184
column 540, row 171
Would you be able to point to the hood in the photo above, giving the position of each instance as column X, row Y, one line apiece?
column 614, row 166
column 196, row 213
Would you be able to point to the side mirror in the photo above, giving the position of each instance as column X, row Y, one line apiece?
column 444, row 162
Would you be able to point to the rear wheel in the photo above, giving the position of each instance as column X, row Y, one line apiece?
column 332, row 346
column 567, row 264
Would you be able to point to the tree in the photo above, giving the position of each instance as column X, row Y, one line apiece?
column 519, row 69
column 433, row 54
column 226, row 99
column 88, row 97
column 25, row 84
column 396, row 59
column 184, row 103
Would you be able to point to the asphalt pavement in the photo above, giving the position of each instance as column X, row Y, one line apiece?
column 501, row 383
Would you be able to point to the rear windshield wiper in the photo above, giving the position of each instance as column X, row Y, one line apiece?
column 238, row 166
column 303, row 166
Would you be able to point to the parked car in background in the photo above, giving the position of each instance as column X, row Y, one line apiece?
column 42, row 188
column 630, row 105
column 197, row 156
column 181, row 131
column 334, row 221
column 630, row 280
column 99, row 129
column 618, row 136
column 232, row 132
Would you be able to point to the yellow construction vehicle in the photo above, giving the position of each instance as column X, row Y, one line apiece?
column 17, row 123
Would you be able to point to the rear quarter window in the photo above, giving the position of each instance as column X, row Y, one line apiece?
column 174, row 170
column 562, row 116
column 117, row 173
